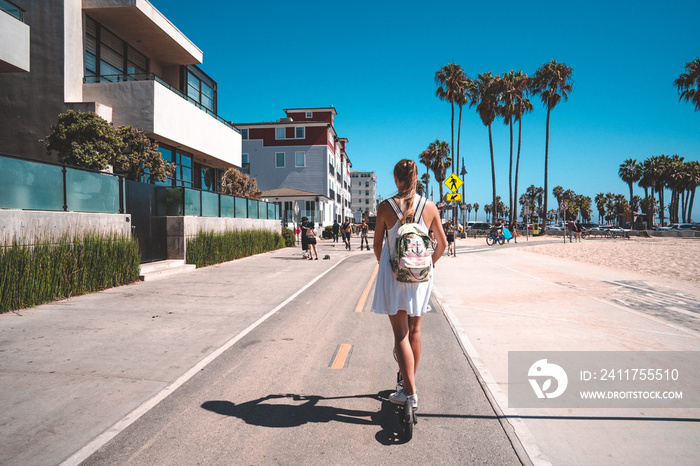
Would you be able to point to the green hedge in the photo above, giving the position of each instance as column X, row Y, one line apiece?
column 209, row 248
column 289, row 237
column 46, row 271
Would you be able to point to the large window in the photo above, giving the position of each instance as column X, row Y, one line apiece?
column 279, row 159
column 244, row 133
column 299, row 132
column 279, row 133
column 108, row 58
column 183, row 169
column 245, row 162
column 200, row 88
column 299, row 159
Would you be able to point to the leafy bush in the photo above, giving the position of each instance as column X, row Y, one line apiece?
column 289, row 237
column 327, row 232
column 209, row 248
column 46, row 271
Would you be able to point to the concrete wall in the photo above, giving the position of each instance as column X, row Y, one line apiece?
column 180, row 229
column 25, row 225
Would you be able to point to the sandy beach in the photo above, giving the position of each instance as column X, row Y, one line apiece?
column 676, row 258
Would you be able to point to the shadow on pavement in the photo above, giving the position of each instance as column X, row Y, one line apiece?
column 266, row 412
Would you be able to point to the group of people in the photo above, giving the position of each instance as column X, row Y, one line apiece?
column 308, row 239
column 574, row 231
column 346, row 231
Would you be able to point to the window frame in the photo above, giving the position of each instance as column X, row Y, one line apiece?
column 309, row 114
column 245, row 133
column 296, row 160
column 284, row 157
column 303, row 131
column 277, row 133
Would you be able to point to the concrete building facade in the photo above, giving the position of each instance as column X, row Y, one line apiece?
column 364, row 193
column 301, row 152
column 125, row 61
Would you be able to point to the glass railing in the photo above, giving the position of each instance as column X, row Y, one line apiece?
column 12, row 9
column 181, row 201
column 126, row 77
column 34, row 185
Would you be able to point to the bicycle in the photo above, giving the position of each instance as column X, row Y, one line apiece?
column 495, row 237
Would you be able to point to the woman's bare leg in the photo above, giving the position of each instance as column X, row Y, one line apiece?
column 406, row 354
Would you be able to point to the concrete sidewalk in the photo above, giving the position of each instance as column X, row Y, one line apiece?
column 504, row 298
column 70, row 369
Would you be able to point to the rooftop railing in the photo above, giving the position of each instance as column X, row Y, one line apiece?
column 36, row 185
column 115, row 78
column 12, row 9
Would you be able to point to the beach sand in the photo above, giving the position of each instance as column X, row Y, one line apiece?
column 676, row 258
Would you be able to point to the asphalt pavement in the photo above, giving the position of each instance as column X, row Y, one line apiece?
column 77, row 373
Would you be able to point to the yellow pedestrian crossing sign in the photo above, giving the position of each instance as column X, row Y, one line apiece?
column 453, row 182
column 453, row 197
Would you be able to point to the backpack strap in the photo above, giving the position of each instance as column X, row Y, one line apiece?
column 419, row 209
column 416, row 215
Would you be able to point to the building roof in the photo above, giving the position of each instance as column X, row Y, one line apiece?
column 288, row 192
column 311, row 109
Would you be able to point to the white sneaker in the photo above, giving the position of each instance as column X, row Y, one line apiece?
column 400, row 398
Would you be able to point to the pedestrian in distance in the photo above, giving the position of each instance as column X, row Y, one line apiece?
column 336, row 230
column 570, row 230
column 404, row 303
column 311, row 241
column 514, row 230
column 346, row 230
column 450, row 232
column 578, row 230
column 364, row 230
column 304, row 243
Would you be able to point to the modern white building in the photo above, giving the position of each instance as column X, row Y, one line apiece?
column 14, row 39
column 123, row 60
column 300, row 152
column 364, row 193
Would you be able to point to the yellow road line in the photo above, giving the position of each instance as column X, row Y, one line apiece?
column 365, row 292
column 340, row 356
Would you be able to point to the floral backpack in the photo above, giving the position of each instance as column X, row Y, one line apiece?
column 413, row 250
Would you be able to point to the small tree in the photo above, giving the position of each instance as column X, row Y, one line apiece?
column 83, row 139
column 139, row 155
column 239, row 184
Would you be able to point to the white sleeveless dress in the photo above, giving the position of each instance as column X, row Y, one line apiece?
column 391, row 296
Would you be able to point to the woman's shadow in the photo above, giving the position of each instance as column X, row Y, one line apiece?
column 260, row 412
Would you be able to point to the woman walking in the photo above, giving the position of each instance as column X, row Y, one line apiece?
column 311, row 240
column 450, row 230
column 404, row 303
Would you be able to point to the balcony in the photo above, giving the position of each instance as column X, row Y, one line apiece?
column 139, row 23
column 14, row 39
column 145, row 101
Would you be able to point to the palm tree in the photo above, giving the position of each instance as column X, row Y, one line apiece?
column 440, row 155
column 688, row 83
column 693, row 182
column 425, row 179
column 488, row 208
column 426, row 158
column 450, row 80
column 522, row 106
column 468, row 208
column 487, row 91
column 552, row 82
column 558, row 191
column 630, row 172
column 464, row 93
column 506, row 109
column 600, row 205
column 476, row 210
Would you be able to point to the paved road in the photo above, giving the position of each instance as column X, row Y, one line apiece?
column 231, row 363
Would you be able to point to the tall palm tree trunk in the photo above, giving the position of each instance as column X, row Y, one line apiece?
column 452, row 128
column 690, row 205
column 546, row 165
column 517, row 168
column 510, row 175
column 493, row 178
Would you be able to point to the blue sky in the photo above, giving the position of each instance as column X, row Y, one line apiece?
column 375, row 62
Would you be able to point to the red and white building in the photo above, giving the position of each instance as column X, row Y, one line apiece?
column 300, row 152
